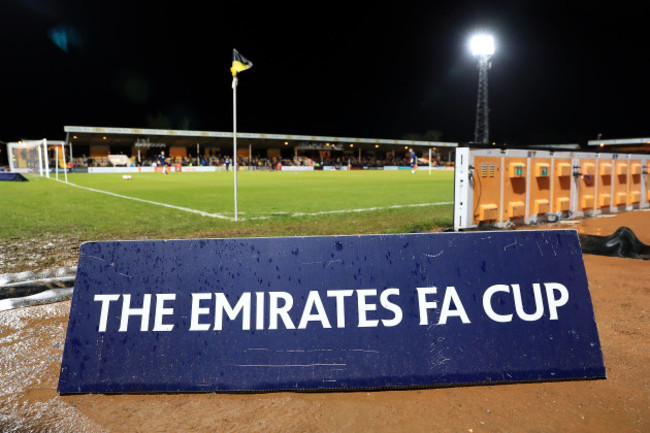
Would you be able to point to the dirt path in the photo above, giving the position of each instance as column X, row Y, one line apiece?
column 31, row 345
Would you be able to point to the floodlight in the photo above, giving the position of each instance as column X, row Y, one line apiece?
column 482, row 45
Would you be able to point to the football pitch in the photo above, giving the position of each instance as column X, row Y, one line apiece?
column 182, row 205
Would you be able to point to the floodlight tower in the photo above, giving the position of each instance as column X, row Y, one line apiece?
column 482, row 47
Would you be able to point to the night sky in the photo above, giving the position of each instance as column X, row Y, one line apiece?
column 562, row 73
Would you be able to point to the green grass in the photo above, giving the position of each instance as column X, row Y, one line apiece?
column 268, row 202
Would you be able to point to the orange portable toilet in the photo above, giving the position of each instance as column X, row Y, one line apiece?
column 514, row 188
column 620, row 183
column 487, row 189
column 540, row 187
column 634, row 182
column 562, row 170
column 587, row 186
column 604, row 184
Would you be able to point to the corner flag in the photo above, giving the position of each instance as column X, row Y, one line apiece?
column 239, row 63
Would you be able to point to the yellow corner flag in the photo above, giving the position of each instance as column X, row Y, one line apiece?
column 239, row 63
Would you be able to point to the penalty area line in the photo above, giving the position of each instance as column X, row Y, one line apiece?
column 171, row 206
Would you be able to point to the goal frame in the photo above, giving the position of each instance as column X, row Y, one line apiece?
column 41, row 148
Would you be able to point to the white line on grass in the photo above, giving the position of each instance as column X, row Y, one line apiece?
column 291, row 214
column 367, row 209
column 186, row 209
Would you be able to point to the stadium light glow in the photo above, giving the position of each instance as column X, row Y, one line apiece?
column 482, row 45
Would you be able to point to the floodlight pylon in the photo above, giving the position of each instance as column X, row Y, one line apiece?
column 482, row 48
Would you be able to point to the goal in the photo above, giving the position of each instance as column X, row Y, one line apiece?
column 28, row 156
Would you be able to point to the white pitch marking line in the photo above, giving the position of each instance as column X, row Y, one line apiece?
column 186, row 209
column 367, row 209
column 294, row 214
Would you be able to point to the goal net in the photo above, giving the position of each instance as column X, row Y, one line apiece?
column 28, row 156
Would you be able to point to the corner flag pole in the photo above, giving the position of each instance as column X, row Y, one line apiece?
column 239, row 63
column 234, row 136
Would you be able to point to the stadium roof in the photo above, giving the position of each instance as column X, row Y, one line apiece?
column 129, row 136
column 624, row 144
column 567, row 146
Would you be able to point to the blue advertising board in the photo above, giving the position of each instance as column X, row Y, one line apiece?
column 330, row 313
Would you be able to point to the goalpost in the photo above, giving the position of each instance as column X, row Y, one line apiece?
column 29, row 156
